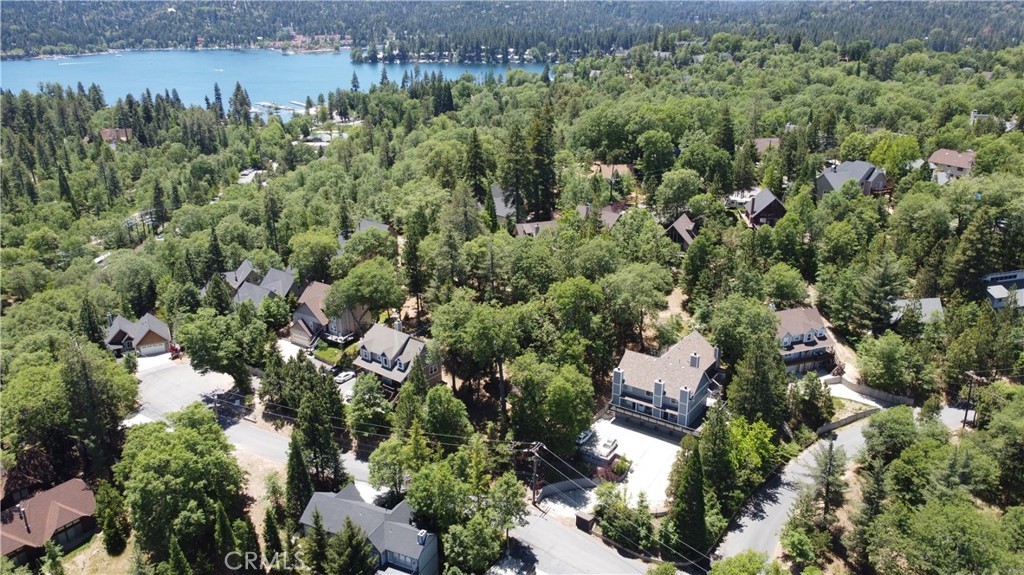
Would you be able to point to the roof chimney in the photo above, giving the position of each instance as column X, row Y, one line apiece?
column 421, row 537
column 536, row 229
column 24, row 517
column 110, row 319
column 694, row 359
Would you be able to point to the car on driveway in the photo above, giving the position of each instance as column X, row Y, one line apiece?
column 344, row 376
column 584, row 436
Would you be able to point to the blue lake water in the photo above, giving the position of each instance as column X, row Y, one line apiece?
column 267, row 75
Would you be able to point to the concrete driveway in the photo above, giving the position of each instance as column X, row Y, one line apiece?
column 652, row 456
column 167, row 385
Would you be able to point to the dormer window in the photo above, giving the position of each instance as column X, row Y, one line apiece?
column 365, row 354
column 399, row 365
column 810, row 336
column 786, row 341
column 384, row 361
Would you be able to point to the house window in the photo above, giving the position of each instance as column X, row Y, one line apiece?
column 365, row 354
column 399, row 365
column 648, row 393
column 384, row 361
column 432, row 369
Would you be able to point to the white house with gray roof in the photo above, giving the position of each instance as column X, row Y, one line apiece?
column 148, row 336
column 400, row 546
column 804, row 341
column 668, row 392
column 390, row 353
column 1005, row 288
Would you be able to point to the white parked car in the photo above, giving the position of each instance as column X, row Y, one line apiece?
column 344, row 376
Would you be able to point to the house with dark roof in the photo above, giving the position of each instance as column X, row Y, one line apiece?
column 502, row 208
column 253, row 293
column 400, row 546
column 310, row 321
column 930, row 308
column 951, row 163
column 370, row 224
column 668, row 392
column 389, row 353
column 868, row 177
column 148, row 336
column 804, row 342
column 683, row 231
column 235, row 278
column 280, row 282
column 63, row 514
column 533, row 229
column 763, row 209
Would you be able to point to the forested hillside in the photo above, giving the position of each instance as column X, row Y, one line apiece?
column 530, row 327
column 568, row 29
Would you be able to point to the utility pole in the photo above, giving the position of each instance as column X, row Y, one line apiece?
column 975, row 379
column 535, row 449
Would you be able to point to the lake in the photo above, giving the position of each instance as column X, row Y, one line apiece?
column 268, row 76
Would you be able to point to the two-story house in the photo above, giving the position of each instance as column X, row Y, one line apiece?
column 869, row 178
column 1000, row 288
column 390, row 353
column 668, row 392
column 400, row 547
column 804, row 342
column 764, row 209
column 948, row 164
column 148, row 336
column 310, row 321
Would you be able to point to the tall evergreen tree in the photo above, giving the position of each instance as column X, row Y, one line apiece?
column 176, row 561
column 223, row 535
column 89, row 323
column 271, row 533
column 882, row 283
column 350, row 552
column 540, row 142
column 686, row 518
column 491, row 214
column 298, row 487
column 215, row 262
column 315, row 422
column 159, row 208
column 759, row 389
column 516, row 172
column 724, row 134
column 827, row 475
column 476, row 167
column 65, row 189
column 717, row 453
column 316, row 545
column 218, row 295
column 218, row 102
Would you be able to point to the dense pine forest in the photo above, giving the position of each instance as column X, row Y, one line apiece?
column 527, row 298
column 485, row 31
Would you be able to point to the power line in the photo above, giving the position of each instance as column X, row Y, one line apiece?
column 564, row 462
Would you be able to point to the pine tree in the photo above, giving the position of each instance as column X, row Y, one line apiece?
column 218, row 102
column 351, row 553
column 476, row 167
column 827, row 474
column 215, row 262
column 247, row 544
column 540, row 143
column 298, row 486
column 759, row 389
column 177, row 563
column 417, row 379
column 516, row 172
column 882, row 283
column 416, row 452
column 175, row 196
column 724, row 135
column 271, row 533
column 491, row 214
column 355, row 82
column 223, row 535
column 52, row 559
column 65, row 189
column 316, row 545
column 88, row 322
column 408, row 408
column 344, row 226
column 686, row 518
column 218, row 295
column 717, row 453
column 315, row 426
column 159, row 209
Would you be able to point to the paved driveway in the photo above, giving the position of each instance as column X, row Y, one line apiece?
column 563, row 550
column 167, row 385
column 652, row 456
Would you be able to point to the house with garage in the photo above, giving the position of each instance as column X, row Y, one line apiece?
column 63, row 514
column 763, row 209
column 148, row 336
column 310, row 321
column 804, row 342
column 869, row 178
column 668, row 392
column 389, row 353
column 400, row 546
column 949, row 164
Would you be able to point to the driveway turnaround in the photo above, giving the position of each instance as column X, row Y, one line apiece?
column 167, row 385
column 563, row 550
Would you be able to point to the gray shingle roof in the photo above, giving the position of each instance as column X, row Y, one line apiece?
column 313, row 296
column 241, row 275
column 801, row 320
column 858, row 170
column 931, row 309
column 367, row 224
column 249, row 291
column 673, row 367
column 387, row 530
column 278, row 281
column 122, row 327
column 759, row 202
column 533, row 229
column 383, row 340
column 501, row 208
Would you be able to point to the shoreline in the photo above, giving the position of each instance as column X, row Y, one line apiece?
column 9, row 58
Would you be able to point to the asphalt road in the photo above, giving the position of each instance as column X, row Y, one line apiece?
column 562, row 550
column 759, row 527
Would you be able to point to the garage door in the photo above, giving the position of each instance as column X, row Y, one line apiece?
column 154, row 349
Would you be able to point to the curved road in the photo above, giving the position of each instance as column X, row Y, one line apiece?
column 759, row 526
